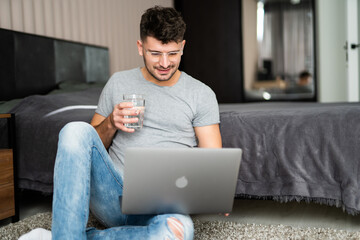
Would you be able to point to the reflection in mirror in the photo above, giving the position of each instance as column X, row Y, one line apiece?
column 284, row 64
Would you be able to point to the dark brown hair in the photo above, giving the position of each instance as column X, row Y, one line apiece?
column 164, row 24
column 304, row 74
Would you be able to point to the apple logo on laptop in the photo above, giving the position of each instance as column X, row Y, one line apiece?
column 181, row 182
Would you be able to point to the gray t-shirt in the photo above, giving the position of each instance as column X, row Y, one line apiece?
column 171, row 113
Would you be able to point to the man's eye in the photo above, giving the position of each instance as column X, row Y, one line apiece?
column 173, row 53
column 156, row 54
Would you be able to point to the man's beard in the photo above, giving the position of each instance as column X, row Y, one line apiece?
column 153, row 75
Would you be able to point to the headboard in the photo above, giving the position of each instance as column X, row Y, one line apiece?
column 32, row 64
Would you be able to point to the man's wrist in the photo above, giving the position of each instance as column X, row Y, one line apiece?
column 111, row 124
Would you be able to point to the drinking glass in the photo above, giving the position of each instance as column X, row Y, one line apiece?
column 138, row 102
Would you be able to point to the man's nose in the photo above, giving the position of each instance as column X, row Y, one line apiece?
column 164, row 60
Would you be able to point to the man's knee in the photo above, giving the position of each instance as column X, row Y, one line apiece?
column 74, row 128
column 176, row 227
column 73, row 133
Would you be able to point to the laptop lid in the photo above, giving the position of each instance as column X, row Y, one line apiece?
column 180, row 180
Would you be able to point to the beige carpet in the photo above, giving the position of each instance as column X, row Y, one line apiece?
column 208, row 230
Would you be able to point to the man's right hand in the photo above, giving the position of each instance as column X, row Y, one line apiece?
column 118, row 119
column 107, row 127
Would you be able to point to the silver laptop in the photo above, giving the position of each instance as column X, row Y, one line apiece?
column 180, row 180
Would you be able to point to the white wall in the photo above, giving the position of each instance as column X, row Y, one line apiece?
column 331, row 58
column 110, row 23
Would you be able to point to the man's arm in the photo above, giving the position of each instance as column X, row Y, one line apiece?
column 209, row 136
column 106, row 127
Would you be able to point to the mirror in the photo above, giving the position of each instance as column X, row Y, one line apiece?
column 279, row 61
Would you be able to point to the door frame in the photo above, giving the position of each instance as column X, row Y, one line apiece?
column 352, row 28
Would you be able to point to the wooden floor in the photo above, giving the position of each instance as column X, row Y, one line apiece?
column 245, row 211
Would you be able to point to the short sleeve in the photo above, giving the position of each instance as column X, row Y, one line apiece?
column 105, row 104
column 207, row 110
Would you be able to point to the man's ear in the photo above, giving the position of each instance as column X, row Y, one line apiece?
column 183, row 45
column 140, row 47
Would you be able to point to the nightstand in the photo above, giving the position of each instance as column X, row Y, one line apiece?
column 8, row 189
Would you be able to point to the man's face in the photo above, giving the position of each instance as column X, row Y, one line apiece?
column 305, row 80
column 161, row 60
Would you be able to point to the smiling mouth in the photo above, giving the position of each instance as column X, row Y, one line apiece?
column 163, row 70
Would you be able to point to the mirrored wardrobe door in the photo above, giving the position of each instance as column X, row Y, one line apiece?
column 279, row 50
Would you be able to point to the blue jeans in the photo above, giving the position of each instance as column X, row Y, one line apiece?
column 85, row 178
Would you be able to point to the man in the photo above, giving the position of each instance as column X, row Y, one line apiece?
column 180, row 112
column 303, row 85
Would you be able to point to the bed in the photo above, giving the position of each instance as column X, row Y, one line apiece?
column 46, row 83
column 296, row 151
column 39, row 119
column 292, row 151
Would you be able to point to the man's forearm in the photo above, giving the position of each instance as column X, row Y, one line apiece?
column 106, row 132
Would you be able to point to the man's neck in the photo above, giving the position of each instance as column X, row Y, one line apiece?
column 171, row 82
